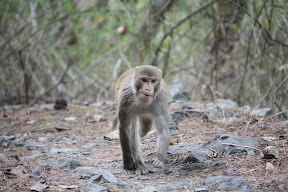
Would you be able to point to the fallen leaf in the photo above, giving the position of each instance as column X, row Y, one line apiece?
column 269, row 166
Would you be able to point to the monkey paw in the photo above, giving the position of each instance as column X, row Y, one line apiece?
column 142, row 170
column 157, row 163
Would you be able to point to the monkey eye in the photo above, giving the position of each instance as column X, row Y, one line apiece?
column 144, row 80
column 153, row 81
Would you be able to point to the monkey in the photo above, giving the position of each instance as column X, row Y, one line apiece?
column 141, row 100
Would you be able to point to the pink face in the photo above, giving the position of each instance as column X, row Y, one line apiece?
column 147, row 90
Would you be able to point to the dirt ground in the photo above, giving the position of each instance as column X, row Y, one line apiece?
column 89, row 142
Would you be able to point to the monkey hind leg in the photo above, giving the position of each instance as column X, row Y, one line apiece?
column 135, row 143
column 145, row 124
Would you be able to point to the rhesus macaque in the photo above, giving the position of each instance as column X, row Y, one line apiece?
column 141, row 98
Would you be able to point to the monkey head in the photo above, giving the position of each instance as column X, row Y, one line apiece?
column 147, row 83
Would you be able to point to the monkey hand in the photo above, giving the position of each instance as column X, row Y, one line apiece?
column 157, row 163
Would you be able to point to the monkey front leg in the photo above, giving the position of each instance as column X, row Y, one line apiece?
column 163, row 140
column 124, row 134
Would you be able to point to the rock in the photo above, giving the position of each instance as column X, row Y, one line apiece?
column 176, row 116
column 36, row 171
column 227, row 183
column 173, row 128
column 272, row 181
column 175, row 187
column 194, row 113
column 8, row 107
column 62, row 128
column 70, row 118
column 67, row 162
column 3, row 158
column 199, row 154
column 91, row 187
column 63, row 150
column 220, row 113
column 98, row 118
column 83, row 172
column 181, row 148
column 234, row 170
column 226, row 103
column 106, row 175
column 201, row 190
column 255, row 126
column 229, row 144
column 38, row 187
column 245, row 109
column 262, row 112
column 90, row 172
column 281, row 123
column 149, row 189
column 177, row 92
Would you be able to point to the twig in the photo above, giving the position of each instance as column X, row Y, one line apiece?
column 170, row 32
column 52, row 87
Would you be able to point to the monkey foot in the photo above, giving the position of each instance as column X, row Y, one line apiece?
column 157, row 163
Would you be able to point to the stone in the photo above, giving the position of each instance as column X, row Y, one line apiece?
column 175, row 187
column 149, row 189
column 201, row 190
column 67, row 163
column 226, row 103
column 181, row 148
column 177, row 91
column 261, row 112
column 62, row 150
column 91, row 187
column 281, row 123
column 3, row 158
column 255, row 126
column 229, row 144
column 227, row 183
column 198, row 155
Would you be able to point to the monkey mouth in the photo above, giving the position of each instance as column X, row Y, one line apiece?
column 145, row 97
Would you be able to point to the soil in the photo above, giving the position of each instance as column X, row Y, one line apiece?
column 90, row 142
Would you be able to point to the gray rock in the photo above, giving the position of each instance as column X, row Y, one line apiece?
column 256, row 126
column 200, row 154
column 181, row 148
column 177, row 116
column 281, row 123
column 149, row 189
column 226, row 103
column 3, row 158
column 31, row 157
column 201, row 190
column 227, row 183
column 175, row 187
column 229, row 144
column 90, row 172
column 173, row 128
column 262, row 112
column 62, row 150
column 36, row 171
column 91, row 187
column 272, row 181
column 106, row 175
column 220, row 113
column 67, row 162
column 177, row 92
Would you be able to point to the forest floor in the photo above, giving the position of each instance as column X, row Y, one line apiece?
column 82, row 132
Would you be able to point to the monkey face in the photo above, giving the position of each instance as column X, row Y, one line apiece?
column 147, row 87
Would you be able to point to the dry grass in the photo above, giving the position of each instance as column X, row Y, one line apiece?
column 106, row 154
